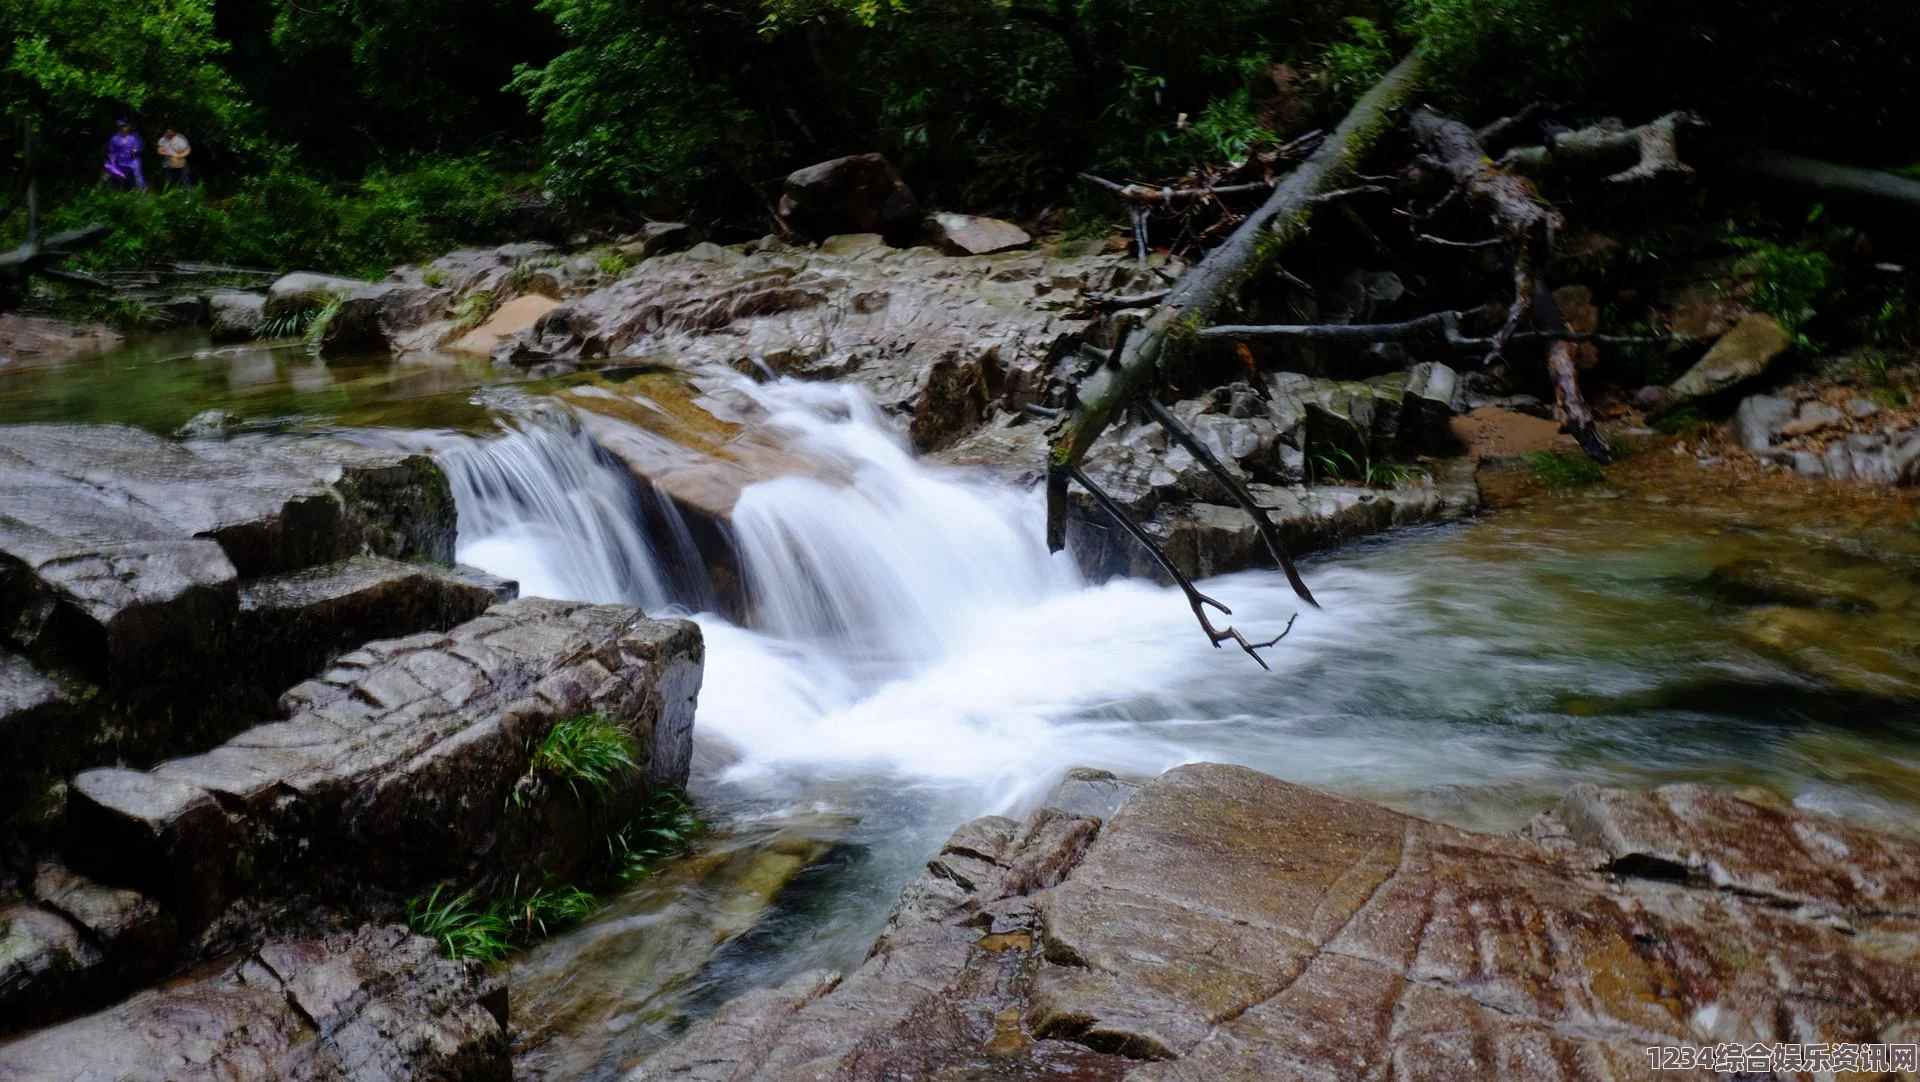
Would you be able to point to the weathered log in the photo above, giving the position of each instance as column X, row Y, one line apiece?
column 1625, row 154
column 1827, row 180
column 1519, row 215
column 1140, row 362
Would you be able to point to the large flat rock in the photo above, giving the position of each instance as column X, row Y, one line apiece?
column 375, row 1004
column 1225, row 925
column 938, row 340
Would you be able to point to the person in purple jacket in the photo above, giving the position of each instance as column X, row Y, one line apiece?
column 123, row 160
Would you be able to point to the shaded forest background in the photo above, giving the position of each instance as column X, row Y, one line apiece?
column 353, row 134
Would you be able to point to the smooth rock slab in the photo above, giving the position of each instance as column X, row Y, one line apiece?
column 1223, row 925
column 376, row 1004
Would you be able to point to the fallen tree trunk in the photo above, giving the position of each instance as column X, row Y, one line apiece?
column 1137, row 365
column 1146, row 355
column 1828, row 180
column 1520, row 216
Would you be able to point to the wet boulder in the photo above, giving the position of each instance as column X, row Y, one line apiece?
column 1318, row 937
column 235, row 316
column 860, row 193
column 304, row 292
column 1742, row 354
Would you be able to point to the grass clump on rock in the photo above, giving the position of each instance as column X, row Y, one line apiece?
column 1564, row 471
column 666, row 827
column 467, row 927
column 589, row 751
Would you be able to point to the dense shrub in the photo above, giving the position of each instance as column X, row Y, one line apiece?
column 284, row 218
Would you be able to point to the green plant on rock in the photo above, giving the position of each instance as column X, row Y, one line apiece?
column 665, row 827
column 1564, row 471
column 321, row 318
column 1337, row 463
column 464, row 927
column 589, row 753
column 434, row 277
column 614, row 263
column 543, row 911
column 286, row 324
column 473, row 310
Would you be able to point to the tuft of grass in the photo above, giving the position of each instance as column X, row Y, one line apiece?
column 665, row 827
column 472, row 311
column 434, row 277
column 1564, row 471
column 320, row 319
column 588, row 753
column 543, row 911
column 1683, row 420
column 286, row 325
column 615, row 263
column 1339, row 464
column 464, row 927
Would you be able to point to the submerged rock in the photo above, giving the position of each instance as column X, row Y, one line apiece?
column 1223, row 924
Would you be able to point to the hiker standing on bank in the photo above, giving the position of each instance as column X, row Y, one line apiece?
column 173, row 149
column 123, row 160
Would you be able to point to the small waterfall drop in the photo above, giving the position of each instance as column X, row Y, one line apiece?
column 543, row 505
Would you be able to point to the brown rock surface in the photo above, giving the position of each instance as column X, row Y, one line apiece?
column 1224, row 925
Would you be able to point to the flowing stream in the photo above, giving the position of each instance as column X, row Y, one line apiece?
column 914, row 657
column 902, row 653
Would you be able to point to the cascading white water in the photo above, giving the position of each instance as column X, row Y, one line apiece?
column 904, row 619
column 540, row 505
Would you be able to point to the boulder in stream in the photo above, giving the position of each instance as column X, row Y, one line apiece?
column 235, row 316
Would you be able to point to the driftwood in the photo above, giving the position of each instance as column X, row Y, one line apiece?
column 1136, row 367
column 1528, row 224
column 37, row 256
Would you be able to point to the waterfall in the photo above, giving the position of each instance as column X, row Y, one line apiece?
column 543, row 505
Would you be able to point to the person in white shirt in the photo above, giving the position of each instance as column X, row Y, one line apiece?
column 173, row 149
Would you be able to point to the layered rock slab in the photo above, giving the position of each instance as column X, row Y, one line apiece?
column 396, row 765
column 376, row 1004
column 1225, row 925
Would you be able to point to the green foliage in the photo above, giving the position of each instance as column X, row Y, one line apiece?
column 68, row 64
column 588, row 751
column 665, row 827
column 1564, row 471
column 543, row 911
column 1330, row 463
column 1790, row 279
column 467, row 927
column 464, row 926
column 473, row 310
column 286, row 324
column 322, row 318
column 1357, row 63
column 283, row 218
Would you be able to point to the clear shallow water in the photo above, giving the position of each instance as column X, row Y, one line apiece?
column 914, row 657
